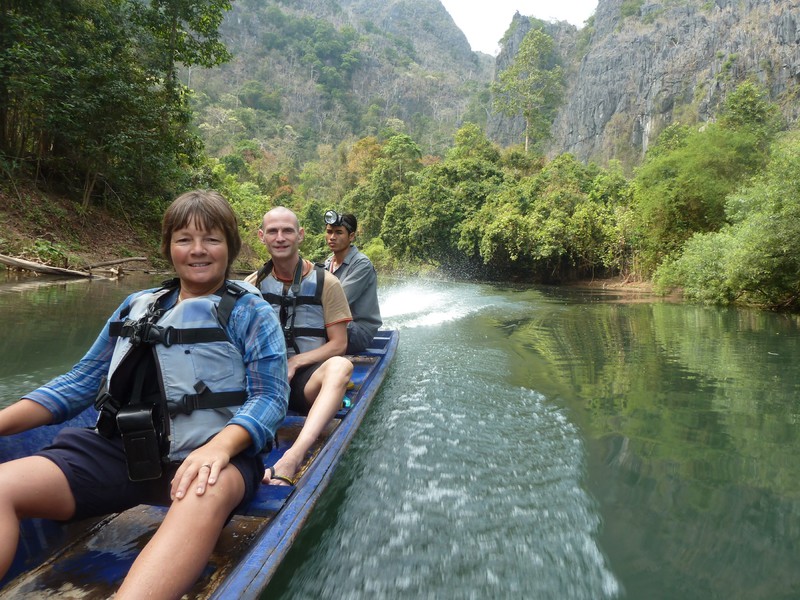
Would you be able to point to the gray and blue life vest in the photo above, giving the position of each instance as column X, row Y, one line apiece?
column 298, row 306
column 179, row 360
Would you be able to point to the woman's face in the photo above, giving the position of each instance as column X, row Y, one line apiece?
column 200, row 259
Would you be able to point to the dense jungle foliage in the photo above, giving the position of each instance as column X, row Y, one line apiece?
column 91, row 104
column 89, row 96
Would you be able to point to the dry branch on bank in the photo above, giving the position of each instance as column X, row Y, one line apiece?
column 20, row 263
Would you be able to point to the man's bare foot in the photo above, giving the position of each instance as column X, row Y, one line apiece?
column 282, row 472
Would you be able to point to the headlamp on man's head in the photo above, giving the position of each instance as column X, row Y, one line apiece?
column 334, row 219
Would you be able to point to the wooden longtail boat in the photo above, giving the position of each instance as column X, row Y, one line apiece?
column 89, row 559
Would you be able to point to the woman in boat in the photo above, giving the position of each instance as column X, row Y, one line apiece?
column 196, row 388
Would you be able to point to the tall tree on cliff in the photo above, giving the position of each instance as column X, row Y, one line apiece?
column 533, row 86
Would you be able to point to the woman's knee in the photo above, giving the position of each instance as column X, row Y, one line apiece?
column 36, row 487
column 218, row 499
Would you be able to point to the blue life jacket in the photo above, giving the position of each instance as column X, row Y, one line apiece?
column 298, row 306
column 200, row 374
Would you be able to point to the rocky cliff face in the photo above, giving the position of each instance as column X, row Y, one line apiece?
column 339, row 69
column 438, row 41
column 649, row 64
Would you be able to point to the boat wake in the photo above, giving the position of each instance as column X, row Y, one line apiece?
column 429, row 303
column 461, row 484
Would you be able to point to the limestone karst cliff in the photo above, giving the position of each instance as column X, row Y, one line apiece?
column 649, row 64
column 337, row 69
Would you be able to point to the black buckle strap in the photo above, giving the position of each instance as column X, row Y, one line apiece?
column 228, row 300
column 287, row 300
column 263, row 272
column 108, row 409
column 150, row 333
column 197, row 335
column 205, row 398
column 142, row 332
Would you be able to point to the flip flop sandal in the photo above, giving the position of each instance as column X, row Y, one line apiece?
column 283, row 478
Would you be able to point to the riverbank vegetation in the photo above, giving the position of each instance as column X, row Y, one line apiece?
column 91, row 107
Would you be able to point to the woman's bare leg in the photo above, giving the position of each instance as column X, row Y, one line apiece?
column 178, row 552
column 30, row 487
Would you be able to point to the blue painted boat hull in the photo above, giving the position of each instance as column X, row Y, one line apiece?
column 89, row 559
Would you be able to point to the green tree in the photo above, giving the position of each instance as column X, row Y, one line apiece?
column 612, row 190
column 82, row 101
column 402, row 155
column 391, row 175
column 471, row 142
column 361, row 159
column 682, row 186
column 532, row 86
column 445, row 196
column 748, row 107
column 557, row 224
column 254, row 94
column 325, row 179
column 755, row 258
column 181, row 31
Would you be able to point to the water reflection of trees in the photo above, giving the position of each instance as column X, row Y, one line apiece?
column 684, row 535
column 47, row 328
column 690, row 416
column 693, row 383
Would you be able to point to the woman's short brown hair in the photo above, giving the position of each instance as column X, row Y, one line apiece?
column 208, row 210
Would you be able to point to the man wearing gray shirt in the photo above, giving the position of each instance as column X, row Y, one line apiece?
column 358, row 278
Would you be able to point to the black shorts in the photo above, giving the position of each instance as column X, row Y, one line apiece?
column 97, row 473
column 297, row 399
column 358, row 338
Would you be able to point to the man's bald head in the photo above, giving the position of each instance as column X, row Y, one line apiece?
column 280, row 212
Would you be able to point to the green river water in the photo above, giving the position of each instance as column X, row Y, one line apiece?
column 529, row 442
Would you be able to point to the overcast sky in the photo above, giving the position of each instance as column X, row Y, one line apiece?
column 485, row 21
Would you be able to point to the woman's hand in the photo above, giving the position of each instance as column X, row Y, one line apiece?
column 203, row 465
column 199, row 470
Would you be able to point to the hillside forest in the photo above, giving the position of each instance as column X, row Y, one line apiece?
column 122, row 104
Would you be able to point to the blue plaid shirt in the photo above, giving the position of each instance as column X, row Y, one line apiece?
column 253, row 329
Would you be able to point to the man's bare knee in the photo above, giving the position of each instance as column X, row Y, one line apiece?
column 335, row 369
column 339, row 365
column 333, row 373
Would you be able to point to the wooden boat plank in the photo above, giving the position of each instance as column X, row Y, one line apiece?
column 94, row 566
column 65, row 569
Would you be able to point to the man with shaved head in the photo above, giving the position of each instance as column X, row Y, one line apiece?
column 313, row 311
